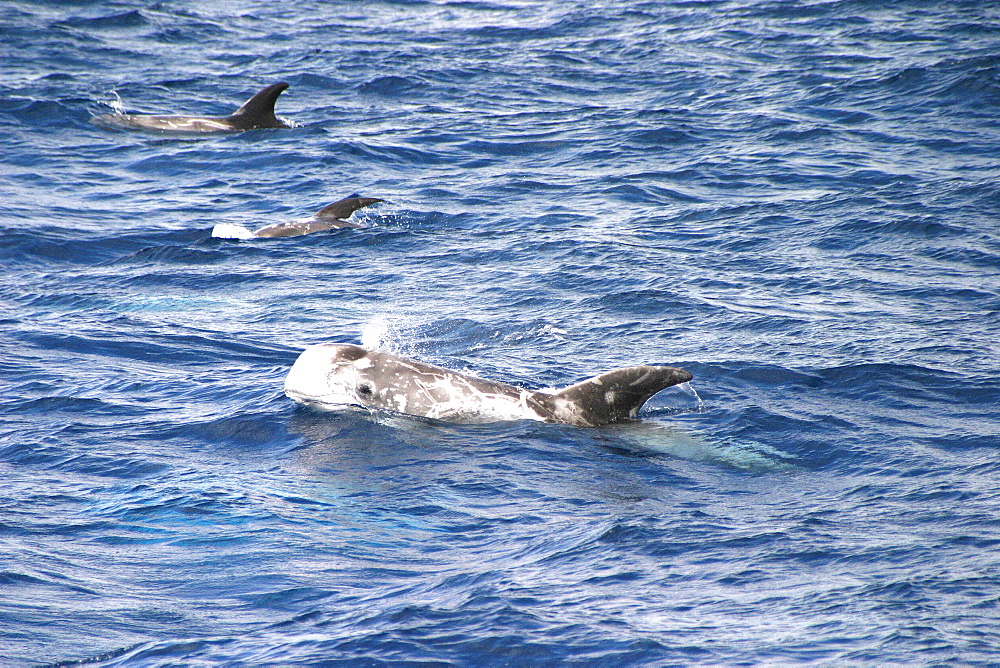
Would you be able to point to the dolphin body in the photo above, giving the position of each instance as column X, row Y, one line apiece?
column 331, row 216
column 331, row 376
column 257, row 112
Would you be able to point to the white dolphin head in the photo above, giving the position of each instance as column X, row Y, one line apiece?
column 331, row 376
column 327, row 377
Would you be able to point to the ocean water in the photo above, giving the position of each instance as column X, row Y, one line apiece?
column 798, row 201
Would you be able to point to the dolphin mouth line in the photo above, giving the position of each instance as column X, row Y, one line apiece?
column 317, row 402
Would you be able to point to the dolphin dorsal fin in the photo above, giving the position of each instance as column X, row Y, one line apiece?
column 258, row 111
column 614, row 396
column 342, row 209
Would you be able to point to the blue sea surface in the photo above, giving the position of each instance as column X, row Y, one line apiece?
column 797, row 201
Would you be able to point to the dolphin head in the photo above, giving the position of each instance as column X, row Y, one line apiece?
column 330, row 376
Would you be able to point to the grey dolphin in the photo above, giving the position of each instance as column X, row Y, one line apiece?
column 331, row 216
column 330, row 376
column 257, row 112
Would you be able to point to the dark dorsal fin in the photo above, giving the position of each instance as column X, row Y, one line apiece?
column 258, row 111
column 614, row 396
column 342, row 209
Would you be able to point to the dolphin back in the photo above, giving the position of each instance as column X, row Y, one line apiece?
column 614, row 396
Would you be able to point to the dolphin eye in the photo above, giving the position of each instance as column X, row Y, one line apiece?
column 365, row 390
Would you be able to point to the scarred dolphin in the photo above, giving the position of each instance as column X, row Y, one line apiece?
column 258, row 112
column 331, row 216
column 331, row 376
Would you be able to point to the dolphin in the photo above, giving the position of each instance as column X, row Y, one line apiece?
column 331, row 376
column 331, row 216
column 257, row 112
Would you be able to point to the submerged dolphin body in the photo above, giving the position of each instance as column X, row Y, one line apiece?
column 257, row 112
column 331, row 216
column 330, row 376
